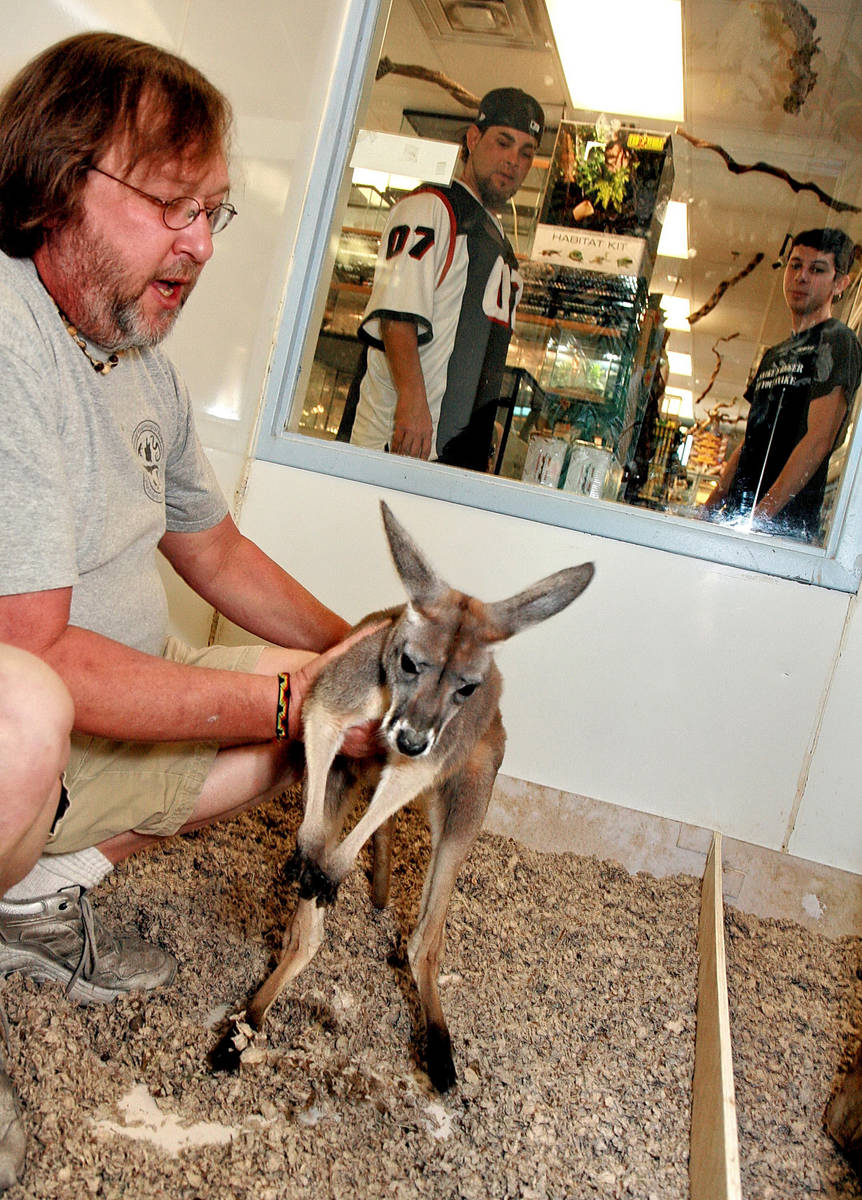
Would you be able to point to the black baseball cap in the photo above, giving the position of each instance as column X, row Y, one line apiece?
column 514, row 108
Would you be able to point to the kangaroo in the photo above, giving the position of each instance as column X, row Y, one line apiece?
column 429, row 677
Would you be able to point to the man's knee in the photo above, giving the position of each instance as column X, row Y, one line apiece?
column 36, row 715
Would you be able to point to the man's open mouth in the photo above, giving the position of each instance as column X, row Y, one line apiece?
column 167, row 287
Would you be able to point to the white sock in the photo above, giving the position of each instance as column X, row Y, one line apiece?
column 55, row 871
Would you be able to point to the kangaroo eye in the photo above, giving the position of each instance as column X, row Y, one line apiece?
column 408, row 666
column 467, row 690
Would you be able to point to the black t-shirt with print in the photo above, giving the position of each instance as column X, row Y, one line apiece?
column 791, row 375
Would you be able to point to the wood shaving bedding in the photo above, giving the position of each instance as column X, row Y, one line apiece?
column 569, row 987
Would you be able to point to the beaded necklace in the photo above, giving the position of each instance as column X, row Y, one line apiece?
column 100, row 366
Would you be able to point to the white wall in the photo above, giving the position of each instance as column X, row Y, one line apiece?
column 272, row 60
column 708, row 694
column 672, row 686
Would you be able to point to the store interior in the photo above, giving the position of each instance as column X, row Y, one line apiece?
column 621, row 387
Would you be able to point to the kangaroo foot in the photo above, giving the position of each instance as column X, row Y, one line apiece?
column 438, row 1059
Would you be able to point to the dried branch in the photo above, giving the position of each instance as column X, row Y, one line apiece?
column 767, row 169
column 387, row 67
column 714, row 412
column 722, row 288
column 801, row 24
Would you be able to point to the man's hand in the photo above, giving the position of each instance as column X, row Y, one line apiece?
column 412, row 431
column 411, row 434
column 359, row 742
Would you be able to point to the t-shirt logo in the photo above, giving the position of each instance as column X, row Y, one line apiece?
column 825, row 363
column 147, row 444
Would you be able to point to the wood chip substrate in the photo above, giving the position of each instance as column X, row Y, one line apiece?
column 570, row 990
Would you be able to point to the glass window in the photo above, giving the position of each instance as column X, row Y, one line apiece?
column 678, row 372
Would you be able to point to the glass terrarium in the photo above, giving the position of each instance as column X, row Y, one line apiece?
column 580, row 367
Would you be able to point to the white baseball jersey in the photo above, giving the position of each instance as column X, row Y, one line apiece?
column 445, row 264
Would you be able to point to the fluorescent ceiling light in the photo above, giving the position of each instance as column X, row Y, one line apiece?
column 676, row 310
column 679, row 363
column 673, row 242
column 380, row 180
column 622, row 56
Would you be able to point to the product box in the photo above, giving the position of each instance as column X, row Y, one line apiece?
column 605, row 199
column 546, row 458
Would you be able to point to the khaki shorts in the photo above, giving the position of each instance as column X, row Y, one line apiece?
column 151, row 788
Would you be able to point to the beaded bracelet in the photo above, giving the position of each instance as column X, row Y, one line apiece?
column 283, row 708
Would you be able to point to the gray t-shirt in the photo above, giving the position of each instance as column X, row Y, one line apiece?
column 93, row 468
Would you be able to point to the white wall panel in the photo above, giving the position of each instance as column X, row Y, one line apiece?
column 672, row 686
column 829, row 825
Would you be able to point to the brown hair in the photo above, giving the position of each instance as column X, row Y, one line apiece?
column 829, row 241
column 63, row 111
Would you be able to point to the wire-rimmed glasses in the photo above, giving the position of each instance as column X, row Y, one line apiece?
column 182, row 211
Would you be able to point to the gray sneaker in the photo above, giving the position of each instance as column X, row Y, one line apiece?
column 13, row 1139
column 58, row 938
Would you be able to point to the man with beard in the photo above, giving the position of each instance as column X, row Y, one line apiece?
column 442, row 308
column 113, row 183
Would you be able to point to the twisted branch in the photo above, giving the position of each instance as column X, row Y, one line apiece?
column 767, row 169
column 387, row 67
column 722, row 288
column 714, row 374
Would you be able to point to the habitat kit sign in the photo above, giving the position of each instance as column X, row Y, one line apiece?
column 589, row 250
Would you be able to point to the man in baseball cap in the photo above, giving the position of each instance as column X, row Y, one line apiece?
column 513, row 108
column 442, row 309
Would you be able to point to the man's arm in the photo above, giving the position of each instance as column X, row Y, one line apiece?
column 411, row 434
column 825, row 415
column 234, row 575
column 725, row 480
column 123, row 693
column 126, row 694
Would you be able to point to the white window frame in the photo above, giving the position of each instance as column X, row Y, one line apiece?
column 837, row 565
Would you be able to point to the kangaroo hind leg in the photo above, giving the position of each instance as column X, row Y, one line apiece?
column 455, row 813
column 381, row 871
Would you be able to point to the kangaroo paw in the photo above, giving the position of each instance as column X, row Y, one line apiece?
column 438, row 1059
column 293, row 868
column 314, row 883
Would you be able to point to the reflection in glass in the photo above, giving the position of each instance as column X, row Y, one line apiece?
column 801, row 397
column 592, row 403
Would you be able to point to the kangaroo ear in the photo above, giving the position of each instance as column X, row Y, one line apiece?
column 422, row 583
column 542, row 600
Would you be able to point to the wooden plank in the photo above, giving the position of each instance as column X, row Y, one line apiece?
column 714, row 1151
column 844, row 1113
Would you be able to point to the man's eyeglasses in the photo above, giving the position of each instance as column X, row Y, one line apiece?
column 184, row 210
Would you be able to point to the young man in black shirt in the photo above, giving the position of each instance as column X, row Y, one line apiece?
column 800, row 398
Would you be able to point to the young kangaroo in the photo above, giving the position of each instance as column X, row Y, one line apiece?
column 428, row 675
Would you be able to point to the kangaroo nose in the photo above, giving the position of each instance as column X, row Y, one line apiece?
column 411, row 743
